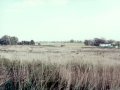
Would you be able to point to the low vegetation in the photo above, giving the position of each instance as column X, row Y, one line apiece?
column 69, row 67
column 36, row 75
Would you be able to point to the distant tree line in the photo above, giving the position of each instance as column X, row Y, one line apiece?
column 12, row 40
column 74, row 41
column 26, row 42
column 98, row 41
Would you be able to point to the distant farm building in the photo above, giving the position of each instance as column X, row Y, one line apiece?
column 107, row 45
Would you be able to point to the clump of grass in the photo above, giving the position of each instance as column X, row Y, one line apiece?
column 37, row 75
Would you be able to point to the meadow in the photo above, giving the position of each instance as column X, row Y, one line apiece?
column 55, row 67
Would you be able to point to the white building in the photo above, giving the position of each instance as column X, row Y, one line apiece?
column 106, row 45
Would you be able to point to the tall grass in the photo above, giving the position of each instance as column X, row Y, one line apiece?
column 36, row 75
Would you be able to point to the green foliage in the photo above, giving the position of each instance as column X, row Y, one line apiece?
column 72, row 41
column 14, row 40
column 8, row 40
column 32, row 42
column 89, row 42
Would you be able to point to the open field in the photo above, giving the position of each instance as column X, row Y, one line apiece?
column 52, row 67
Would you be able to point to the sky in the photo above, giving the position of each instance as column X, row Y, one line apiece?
column 59, row 20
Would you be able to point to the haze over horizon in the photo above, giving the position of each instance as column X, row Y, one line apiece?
column 59, row 20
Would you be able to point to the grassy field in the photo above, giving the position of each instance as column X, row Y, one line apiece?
column 52, row 67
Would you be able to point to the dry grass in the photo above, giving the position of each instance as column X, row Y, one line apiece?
column 56, row 68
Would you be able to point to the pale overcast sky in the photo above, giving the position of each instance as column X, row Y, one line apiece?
column 51, row 20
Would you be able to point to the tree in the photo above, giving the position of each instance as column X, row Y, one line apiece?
column 6, row 40
column 86, row 42
column 118, row 43
column 98, row 41
column 72, row 41
column 14, row 40
column 89, row 42
column 110, row 41
column 32, row 42
column 39, row 44
column 3, row 42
